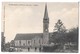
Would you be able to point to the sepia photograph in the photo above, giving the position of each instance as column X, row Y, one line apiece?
column 40, row 27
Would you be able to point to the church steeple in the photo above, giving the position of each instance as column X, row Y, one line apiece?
column 45, row 27
column 46, row 12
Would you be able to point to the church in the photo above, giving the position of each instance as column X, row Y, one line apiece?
column 33, row 42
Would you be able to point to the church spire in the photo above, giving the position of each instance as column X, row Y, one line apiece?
column 46, row 12
column 45, row 27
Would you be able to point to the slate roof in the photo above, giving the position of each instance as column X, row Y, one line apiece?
column 24, row 36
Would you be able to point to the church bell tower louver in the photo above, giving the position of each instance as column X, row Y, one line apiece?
column 45, row 27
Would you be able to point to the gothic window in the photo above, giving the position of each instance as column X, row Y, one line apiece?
column 16, row 43
column 29, row 42
column 23, row 44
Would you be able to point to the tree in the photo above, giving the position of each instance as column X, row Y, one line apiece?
column 59, row 27
column 72, row 35
column 12, row 43
column 7, row 46
column 2, row 41
column 59, row 34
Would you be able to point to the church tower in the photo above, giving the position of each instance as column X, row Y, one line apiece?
column 45, row 27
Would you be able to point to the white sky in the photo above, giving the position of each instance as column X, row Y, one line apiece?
column 28, row 17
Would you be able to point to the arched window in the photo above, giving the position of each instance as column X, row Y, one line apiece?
column 20, row 43
column 23, row 44
column 29, row 42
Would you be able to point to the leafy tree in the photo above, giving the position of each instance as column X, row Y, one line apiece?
column 59, row 27
column 59, row 34
column 72, row 35
column 12, row 43
column 2, row 41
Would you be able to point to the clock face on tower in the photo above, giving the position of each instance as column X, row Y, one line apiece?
column 46, row 27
